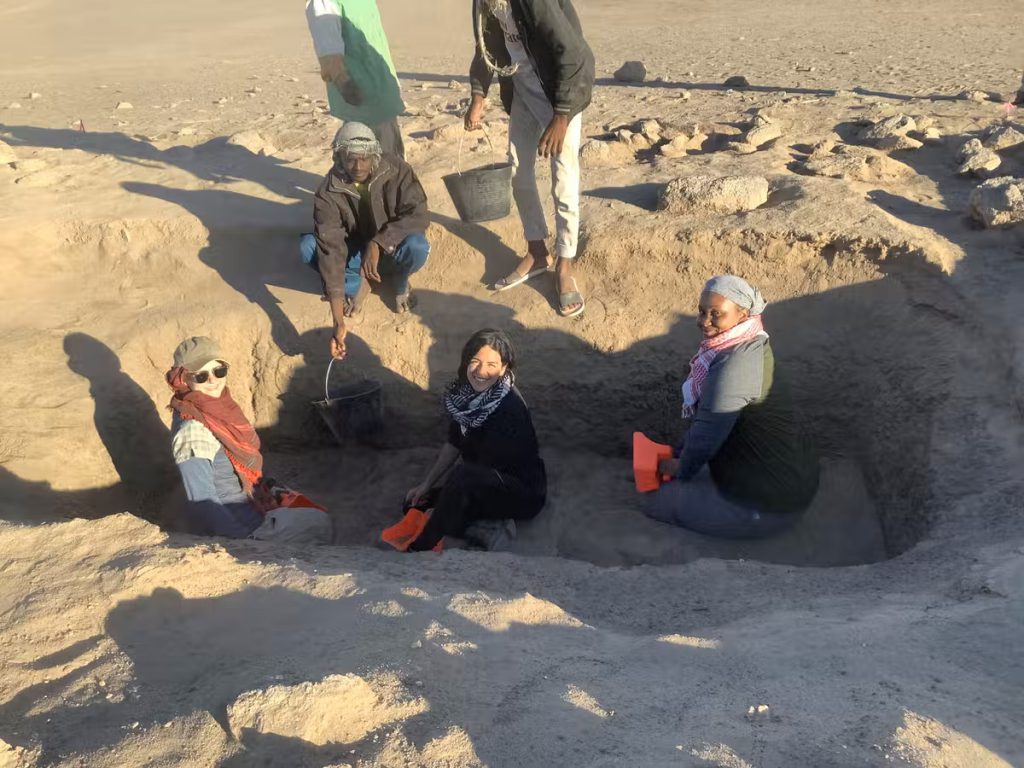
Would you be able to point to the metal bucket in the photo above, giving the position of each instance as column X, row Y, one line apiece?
column 354, row 409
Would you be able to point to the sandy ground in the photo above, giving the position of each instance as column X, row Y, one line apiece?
column 601, row 638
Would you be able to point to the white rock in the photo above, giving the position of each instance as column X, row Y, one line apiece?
column 605, row 154
column 721, row 194
column 188, row 130
column 684, row 95
column 891, row 133
column 1003, row 137
column 976, row 96
column 33, row 96
column 252, row 141
column 124, row 105
column 682, row 144
column 761, row 134
column 651, row 129
column 982, row 164
column 631, row 72
column 447, row 132
column 853, row 163
column 454, row 85
column 999, row 202
column 14, row 105
column 7, row 154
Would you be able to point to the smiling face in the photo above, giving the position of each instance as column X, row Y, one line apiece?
column 214, row 385
column 485, row 368
column 717, row 314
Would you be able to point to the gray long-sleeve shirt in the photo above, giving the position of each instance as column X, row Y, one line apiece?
column 748, row 433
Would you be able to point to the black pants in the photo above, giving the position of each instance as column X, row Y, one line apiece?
column 474, row 492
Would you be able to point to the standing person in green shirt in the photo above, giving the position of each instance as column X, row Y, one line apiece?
column 355, row 62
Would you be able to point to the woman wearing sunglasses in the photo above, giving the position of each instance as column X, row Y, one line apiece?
column 215, row 447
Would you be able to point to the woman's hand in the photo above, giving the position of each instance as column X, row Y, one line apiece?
column 668, row 467
column 415, row 495
column 475, row 113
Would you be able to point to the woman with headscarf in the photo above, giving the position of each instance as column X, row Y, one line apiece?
column 218, row 454
column 745, row 467
column 490, row 467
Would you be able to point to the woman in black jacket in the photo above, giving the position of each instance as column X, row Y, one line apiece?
column 490, row 467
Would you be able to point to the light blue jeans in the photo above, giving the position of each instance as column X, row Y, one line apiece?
column 409, row 257
column 698, row 505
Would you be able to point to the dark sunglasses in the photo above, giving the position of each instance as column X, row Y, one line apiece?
column 204, row 376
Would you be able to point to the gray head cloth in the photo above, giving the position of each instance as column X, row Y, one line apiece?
column 357, row 139
column 738, row 291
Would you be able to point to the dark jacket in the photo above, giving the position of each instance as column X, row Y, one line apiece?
column 398, row 206
column 507, row 442
column 553, row 39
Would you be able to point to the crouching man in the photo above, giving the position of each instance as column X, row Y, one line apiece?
column 370, row 216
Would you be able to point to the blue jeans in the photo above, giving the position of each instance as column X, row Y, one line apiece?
column 409, row 257
column 698, row 505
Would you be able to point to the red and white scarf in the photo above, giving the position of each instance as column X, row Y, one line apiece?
column 710, row 349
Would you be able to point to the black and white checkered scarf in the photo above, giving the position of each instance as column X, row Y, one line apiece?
column 470, row 408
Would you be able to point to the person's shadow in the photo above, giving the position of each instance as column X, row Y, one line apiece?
column 127, row 422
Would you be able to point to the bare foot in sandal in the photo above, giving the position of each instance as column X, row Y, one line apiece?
column 535, row 262
column 353, row 304
column 570, row 300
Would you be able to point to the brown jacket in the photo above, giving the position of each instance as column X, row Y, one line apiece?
column 398, row 207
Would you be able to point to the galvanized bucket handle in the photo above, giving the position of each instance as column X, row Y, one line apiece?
column 327, row 378
column 462, row 138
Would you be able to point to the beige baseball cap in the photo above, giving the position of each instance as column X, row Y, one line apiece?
column 195, row 352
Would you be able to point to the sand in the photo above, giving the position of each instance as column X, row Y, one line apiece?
column 883, row 631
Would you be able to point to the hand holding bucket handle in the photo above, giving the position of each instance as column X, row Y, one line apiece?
column 462, row 138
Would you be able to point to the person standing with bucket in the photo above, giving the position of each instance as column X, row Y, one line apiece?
column 546, row 73
column 370, row 218
column 355, row 63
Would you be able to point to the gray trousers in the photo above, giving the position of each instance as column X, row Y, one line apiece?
column 390, row 137
column 697, row 504
column 531, row 113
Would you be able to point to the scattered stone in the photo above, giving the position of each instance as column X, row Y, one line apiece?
column 976, row 96
column 977, row 159
column 684, row 95
column 292, row 79
column 721, row 194
column 188, row 130
column 801, row 68
column 651, row 129
column 999, row 202
column 763, row 131
column 890, row 133
column 1000, row 137
column 743, row 148
column 624, row 135
column 852, row 163
column 122, row 105
column 252, row 141
column 931, row 134
column 7, row 154
column 221, row 101
column 453, row 85
column 447, row 132
column 687, row 140
column 639, row 142
column 33, row 96
column 424, row 86
column 736, row 81
column 605, row 154
column 631, row 72
column 14, row 105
